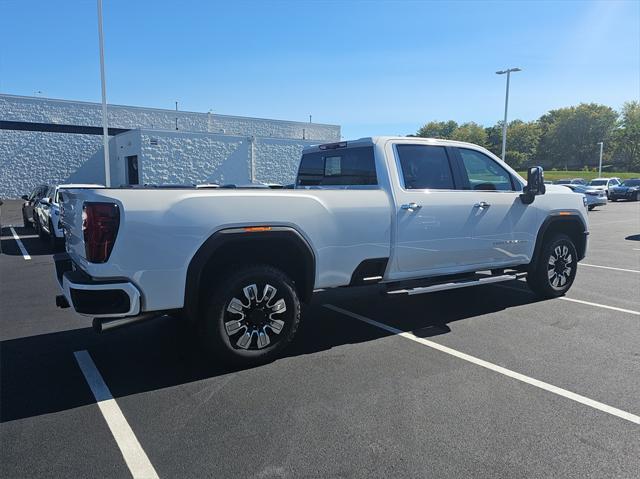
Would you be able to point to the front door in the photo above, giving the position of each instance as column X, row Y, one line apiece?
column 502, row 226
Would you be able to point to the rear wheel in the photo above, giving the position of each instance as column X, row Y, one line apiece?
column 555, row 269
column 638, row 196
column 55, row 243
column 251, row 316
column 25, row 220
column 41, row 233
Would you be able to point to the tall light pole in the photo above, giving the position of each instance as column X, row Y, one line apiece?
column 105, row 129
column 506, row 107
column 600, row 164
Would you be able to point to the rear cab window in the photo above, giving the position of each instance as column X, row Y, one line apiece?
column 353, row 166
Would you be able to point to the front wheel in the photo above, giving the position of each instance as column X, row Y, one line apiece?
column 555, row 268
column 638, row 196
column 252, row 316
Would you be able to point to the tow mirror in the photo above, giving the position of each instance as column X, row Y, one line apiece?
column 25, row 197
column 535, row 185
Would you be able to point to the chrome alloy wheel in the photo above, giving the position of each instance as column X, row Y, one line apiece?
column 255, row 317
column 560, row 266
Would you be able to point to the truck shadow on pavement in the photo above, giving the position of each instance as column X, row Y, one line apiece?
column 39, row 374
column 30, row 240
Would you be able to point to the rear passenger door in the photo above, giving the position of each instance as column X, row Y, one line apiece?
column 503, row 228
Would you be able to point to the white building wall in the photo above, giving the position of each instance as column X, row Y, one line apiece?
column 196, row 158
column 207, row 147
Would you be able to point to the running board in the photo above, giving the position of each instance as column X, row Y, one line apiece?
column 458, row 284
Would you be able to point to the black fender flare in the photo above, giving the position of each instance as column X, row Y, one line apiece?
column 560, row 219
column 249, row 235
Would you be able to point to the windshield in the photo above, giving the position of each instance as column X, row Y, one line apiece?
column 598, row 182
column 634, row 182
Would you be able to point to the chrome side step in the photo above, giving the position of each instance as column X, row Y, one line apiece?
column 458, row 284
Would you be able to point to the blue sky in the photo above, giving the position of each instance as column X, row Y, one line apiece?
column 374, row 67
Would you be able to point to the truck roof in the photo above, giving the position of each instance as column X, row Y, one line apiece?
column 371, row 140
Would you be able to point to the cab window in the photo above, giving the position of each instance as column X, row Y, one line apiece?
column 425, row 167
column 484, row 173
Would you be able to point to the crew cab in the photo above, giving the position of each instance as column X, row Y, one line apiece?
column 415, row 215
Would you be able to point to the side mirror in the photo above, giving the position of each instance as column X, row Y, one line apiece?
column 535, row 185
column 25, row 197
column 45, row 200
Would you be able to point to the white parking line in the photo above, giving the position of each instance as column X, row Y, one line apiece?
column 21, row 237
column 131, row 450
column 613, row 308
column 494, row 367
column 609, row 267
column 564, row 298
column 23, row 250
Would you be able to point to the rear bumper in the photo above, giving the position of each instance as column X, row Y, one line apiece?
column 597, row 201
column 115, row 298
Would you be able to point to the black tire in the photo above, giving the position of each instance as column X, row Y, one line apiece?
column 55, row 243
column 591, row 207
column 613, row 199
column 564, row 265
column 256, row 317
column 25, row 221
column 41, row 233
column 638, row 196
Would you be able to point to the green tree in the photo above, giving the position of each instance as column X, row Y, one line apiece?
column 438, row 129
column 626, row 147
column 494, row 138
column 569, row 136
column 470, row 132
column 522, row 142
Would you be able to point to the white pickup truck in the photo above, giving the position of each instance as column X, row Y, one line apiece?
column 418, row 215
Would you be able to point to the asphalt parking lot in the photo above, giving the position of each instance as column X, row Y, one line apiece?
column 486, row 381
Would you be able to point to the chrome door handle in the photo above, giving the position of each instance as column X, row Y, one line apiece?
column 482, row 204
column 411, row 206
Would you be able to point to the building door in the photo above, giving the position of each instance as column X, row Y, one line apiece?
column 132, row 170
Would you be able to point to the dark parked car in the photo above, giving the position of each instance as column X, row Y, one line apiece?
column 30, row 201
column 627, row 190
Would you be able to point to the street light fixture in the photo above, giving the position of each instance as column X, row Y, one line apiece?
column 506, row 106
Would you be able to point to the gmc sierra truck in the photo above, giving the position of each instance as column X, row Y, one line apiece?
column 418, row 215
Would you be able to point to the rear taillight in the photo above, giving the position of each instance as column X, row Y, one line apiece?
column 100, row 223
